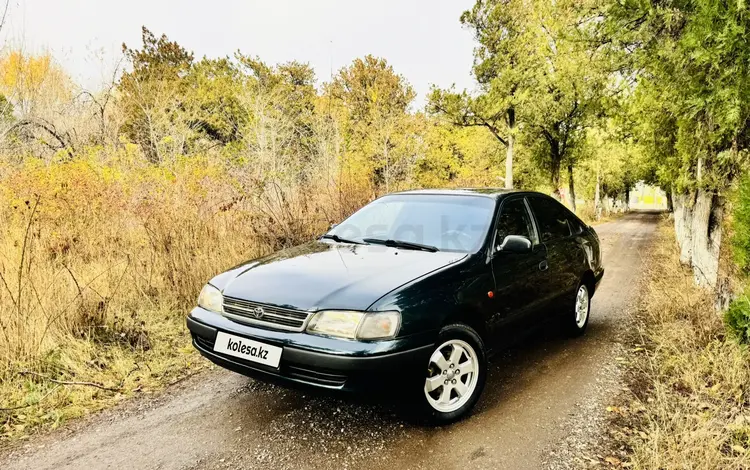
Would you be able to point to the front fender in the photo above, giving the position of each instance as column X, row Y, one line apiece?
column 430, row 302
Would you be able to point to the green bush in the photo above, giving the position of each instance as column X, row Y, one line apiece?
column 737, row 319
column 741, row 224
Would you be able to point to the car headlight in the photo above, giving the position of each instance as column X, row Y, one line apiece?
column 379, row 325
column 211, row 299
column 355, row 325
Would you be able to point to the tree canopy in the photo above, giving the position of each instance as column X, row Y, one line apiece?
column 587, row 93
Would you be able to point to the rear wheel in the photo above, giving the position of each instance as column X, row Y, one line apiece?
column 456, row 373
column 578, row 319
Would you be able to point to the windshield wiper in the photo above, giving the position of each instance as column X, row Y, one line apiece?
column 401, row 244
column 338, row 239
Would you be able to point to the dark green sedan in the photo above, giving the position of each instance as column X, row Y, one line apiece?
column 410, row 294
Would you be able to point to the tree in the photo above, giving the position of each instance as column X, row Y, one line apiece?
column 692, row 65
column 291, row 95
column 613, row 162
column 373, row 101
column 33, row 82
column 38, row 95
column 537, row 75
column 152, row 93
column 691, row 62
column 212, row 104
column 504, row 64
column 568, row 87
column 463, row 110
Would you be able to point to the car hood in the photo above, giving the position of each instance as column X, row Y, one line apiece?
column 322, row 275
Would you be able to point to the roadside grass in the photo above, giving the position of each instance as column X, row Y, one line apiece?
column 80, row 376
column 689, row 384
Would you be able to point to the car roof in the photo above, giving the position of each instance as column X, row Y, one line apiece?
column 494, row 193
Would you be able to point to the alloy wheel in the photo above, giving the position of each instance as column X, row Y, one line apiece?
column 582, row 306
column 452, row 376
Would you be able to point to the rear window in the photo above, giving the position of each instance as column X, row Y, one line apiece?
column 576, row 226
column 552, row 218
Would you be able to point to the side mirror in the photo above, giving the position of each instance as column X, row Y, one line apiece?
column 515, row 244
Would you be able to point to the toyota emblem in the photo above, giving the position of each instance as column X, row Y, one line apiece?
column 258, row 312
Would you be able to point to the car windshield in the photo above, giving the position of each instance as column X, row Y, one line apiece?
column 446, row 222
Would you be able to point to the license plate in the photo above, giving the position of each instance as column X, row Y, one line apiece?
column 247, row 349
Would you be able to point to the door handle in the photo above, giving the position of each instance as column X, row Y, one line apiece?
column 543, row 266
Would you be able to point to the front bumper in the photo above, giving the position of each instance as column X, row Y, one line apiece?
column 316, row 361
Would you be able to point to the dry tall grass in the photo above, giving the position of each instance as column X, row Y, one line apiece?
column 692, row 383
column 101, row 257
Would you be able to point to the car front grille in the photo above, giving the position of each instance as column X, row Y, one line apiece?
column 266, row 315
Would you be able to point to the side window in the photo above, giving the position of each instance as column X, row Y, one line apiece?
column 514, row 220
column 552, row 218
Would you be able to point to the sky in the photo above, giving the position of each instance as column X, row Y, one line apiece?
column 422, row 39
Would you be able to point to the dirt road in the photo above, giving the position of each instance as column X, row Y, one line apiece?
column 542, row 401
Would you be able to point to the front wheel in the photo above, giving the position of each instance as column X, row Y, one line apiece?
column 456, row 373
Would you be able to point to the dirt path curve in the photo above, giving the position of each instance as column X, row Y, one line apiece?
column 536, row 396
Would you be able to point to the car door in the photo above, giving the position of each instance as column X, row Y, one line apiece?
column 552, row 219
column 521, row 279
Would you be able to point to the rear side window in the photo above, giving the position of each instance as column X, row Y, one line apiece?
column 552, row 218
column 576, row 226
column 514, row 220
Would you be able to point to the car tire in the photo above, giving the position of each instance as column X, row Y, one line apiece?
column 577, row 318
column 447, row 393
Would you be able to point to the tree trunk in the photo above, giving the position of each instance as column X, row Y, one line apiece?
column 571, row 187
column 509, row 152
column 627, row 198
column 698, row 216
column 597, row 195
column 708, row 214
column 387, row 168
column 555, row 180
column 670, row 203
column 683, row 223
column 509, row 163
column 555, row 161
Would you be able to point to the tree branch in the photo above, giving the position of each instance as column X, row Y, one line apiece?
column 67, row 382
column 469, row 119
column 49, row 128
column 5, row 13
